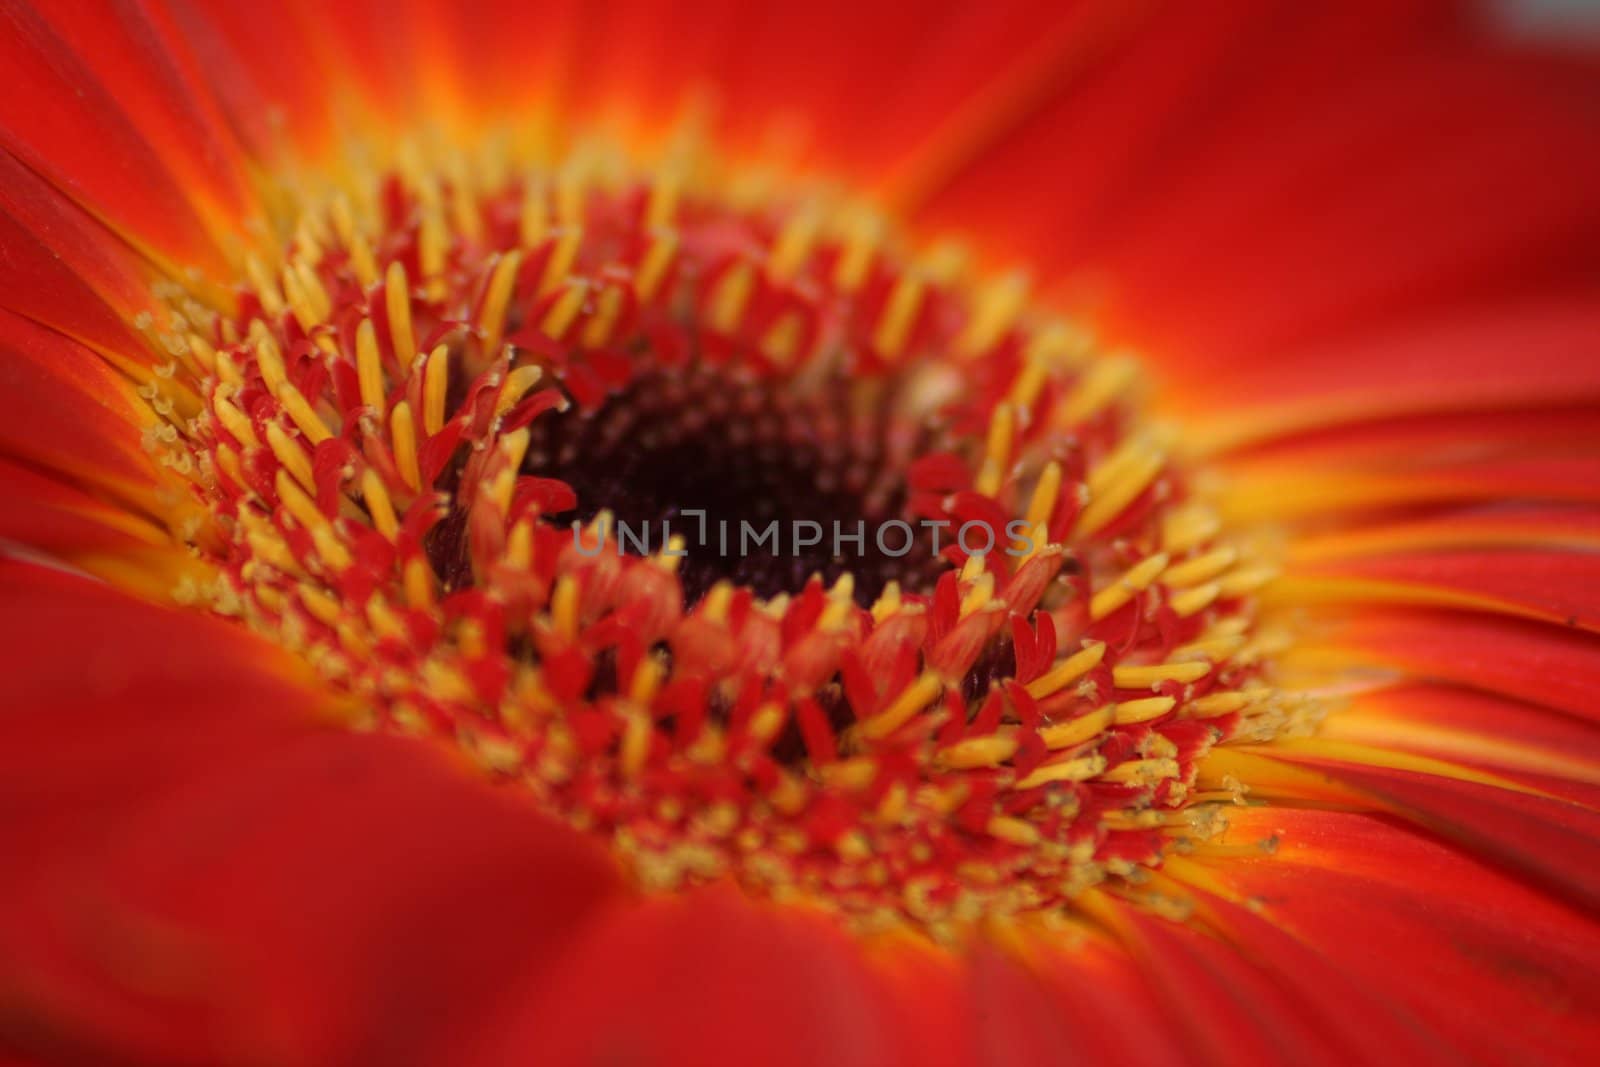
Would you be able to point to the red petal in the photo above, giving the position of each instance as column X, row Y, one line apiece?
column 65, row 270
column 686, row 981
column 202, row 872
column 1497, row 526
column 64, row 121
column 1559, row 668
column 1548, row 840
column 1552, row 585
column 1507, row 358
column 1234, row 1006
column 1490, row 963
column 63, row 408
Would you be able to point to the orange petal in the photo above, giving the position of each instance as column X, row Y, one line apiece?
column 1544, row 750
column 1283, row 491
column 63, row 408
column 67, row 523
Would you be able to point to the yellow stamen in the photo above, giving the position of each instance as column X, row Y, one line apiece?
column 291, row 455
column 533, row 224
column 647, row 678
column 265, row 287
column 1201, row 568
column 1187, row 527
column 201, row 352
column 516, row 386
column 1119, row 488
column 1045, row 494
column 662, row 204
column 1013, row 831
column 435, row 384
column 397, row 301
column 269, row 358
column 433, row 239
column 403, row 436
column 1076, row 731
column 1129, row 712
column 1142, row 771
column 418, row 580
column 564, row 607
column 980, row 595
column 379, row 506
column 1215, row 704
column 597, row 331
column 363, row 262
column 974, row 752
column 234, row 421
column 996, row 309
column 369, row 366
column 565, row 310
column 635, row 748
column 997, row 450
column 1138, row 677
column 729, row 298
column 657, row 259
column 1080, row 769
column 794, row 244
column 1247, row 579
column 305, row 511
column 309, row 422
column 558, row 267
column 1134, row 580
column 1195, row 599
column 899, row 315
column 1030, row 382
column 916, row 696
column 496, row 299
column 1067, row 671
column 519, row 545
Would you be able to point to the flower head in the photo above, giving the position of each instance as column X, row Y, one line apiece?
column 997, row 579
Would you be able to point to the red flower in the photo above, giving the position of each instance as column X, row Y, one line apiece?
column 528, row 541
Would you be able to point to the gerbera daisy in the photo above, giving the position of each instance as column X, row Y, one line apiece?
column 688, row 534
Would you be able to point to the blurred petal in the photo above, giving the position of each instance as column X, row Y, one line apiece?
column 1493, row 964
column 1555, row 586
column 65, row 271
column 86, row 145
column 1543, row 749
column 210, row 873
column 63, row 408
column 1549, row 665
column 1506, row 359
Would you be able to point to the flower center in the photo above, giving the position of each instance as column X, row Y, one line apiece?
column 769, row 483
column 736, row 533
